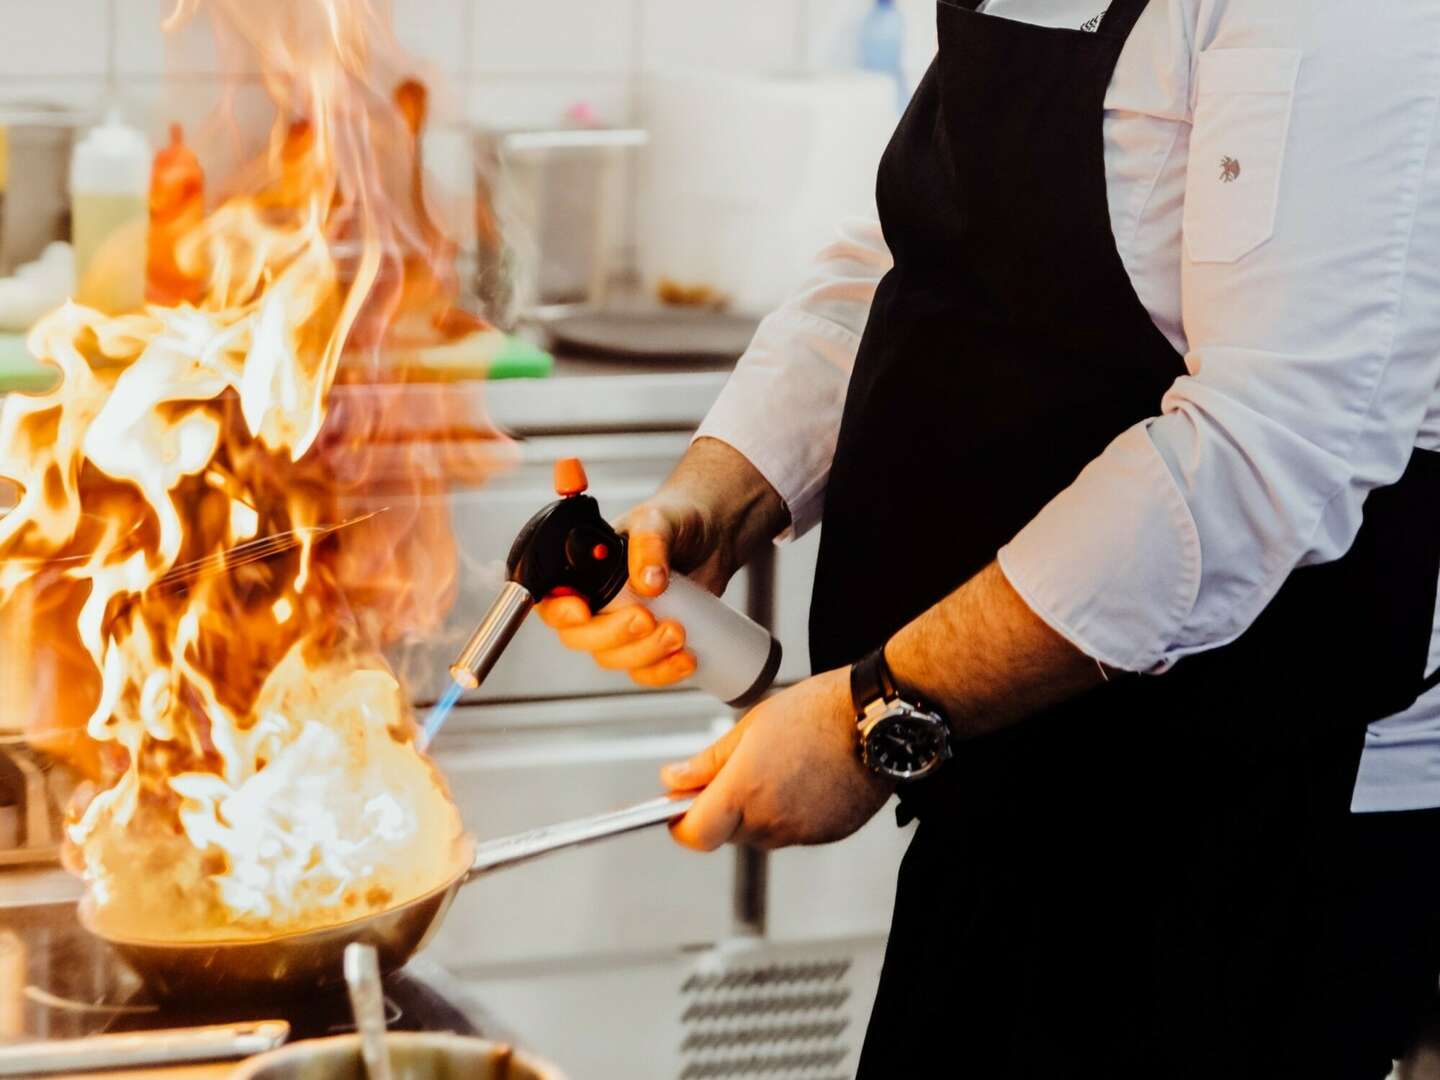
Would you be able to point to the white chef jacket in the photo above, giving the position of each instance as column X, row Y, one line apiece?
column 1274, row 187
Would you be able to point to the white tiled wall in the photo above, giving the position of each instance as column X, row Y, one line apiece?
column 498, row 61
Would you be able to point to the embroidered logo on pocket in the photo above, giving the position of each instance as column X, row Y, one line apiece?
column 1241, row 124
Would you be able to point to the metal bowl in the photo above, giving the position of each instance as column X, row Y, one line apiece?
column 413, row 1056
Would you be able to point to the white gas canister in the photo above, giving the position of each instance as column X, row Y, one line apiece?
column 736, row 659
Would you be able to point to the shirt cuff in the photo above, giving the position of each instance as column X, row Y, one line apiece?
column 1112, row 563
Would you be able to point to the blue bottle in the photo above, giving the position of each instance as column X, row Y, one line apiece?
column 882, row 46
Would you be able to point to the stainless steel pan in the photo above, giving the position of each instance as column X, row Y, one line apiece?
column 296, row 963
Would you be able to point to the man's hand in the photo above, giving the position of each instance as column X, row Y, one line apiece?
column 712, row 514
column 788, row 773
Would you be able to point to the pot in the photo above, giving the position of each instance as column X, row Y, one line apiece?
column 413, row 1056
column 297, row 963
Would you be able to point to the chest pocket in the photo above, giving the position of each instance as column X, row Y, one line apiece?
column 1243, row 102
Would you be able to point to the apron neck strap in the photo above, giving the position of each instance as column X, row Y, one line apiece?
column 1121, row 17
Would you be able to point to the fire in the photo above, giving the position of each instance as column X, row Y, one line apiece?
column 201, row 589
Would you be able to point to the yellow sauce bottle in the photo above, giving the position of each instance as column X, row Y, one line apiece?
column 109, row 186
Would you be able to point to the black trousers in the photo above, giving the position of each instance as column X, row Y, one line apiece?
column 1381, row 954
column 1042, row 962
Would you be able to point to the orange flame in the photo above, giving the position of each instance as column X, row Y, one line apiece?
column 175, row 548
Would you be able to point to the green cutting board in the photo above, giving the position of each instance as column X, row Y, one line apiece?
column 19, row 371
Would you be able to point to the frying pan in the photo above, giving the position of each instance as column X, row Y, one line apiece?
column 296, row 963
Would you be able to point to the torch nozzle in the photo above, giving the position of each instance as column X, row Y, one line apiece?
column 480, row 652
column 492, row 636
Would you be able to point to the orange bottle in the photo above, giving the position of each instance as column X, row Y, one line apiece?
column 177, row 205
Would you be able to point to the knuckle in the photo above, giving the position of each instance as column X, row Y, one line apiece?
column 636, row 622
column 647, row 518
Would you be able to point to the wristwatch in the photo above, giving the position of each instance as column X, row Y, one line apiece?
column 903, row 739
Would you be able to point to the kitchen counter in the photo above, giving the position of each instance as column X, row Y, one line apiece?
column 594, row 396
column 30, row 887
column 597, row 396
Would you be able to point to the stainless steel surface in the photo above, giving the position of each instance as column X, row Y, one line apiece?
column 178, row 1046
column 14, row 959
column 38, row 828
column 515, row 765
column 29, row 887
column 35, row 207
column 415, row 1056
column 513, row 850
column 654, row 334
column 742, row 1008
column 557, row 195
column 602, row 397
column 32, row 793
column 58, row 982
column 523, row 142
column 493, row 634
column 367, row 1000
column 299, row 963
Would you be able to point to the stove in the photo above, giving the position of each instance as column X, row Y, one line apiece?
column 411, row 1004
column 57, row 981
column 60, row 983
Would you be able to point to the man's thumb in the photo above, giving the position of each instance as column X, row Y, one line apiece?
column 651, row 534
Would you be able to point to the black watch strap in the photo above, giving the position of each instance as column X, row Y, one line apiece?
column 871, row 681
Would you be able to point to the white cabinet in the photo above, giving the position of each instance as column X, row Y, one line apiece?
column 513, row 768
column 794, row 579
column 837, row 890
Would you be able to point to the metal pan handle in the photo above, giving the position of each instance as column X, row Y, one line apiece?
column 510, row 850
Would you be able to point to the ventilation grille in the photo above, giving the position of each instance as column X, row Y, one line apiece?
column 774, row 1020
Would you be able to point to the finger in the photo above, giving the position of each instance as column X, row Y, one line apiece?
column 559, row 612
column 609, row 629
column 665, row 640
column 701, row 769
column 711, row 822
column 667, row 672
column 650, row 535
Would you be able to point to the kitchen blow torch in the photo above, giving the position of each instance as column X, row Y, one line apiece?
column 569, row 549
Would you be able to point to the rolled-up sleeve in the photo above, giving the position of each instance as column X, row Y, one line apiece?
column 1314, row 351
column 781, row 407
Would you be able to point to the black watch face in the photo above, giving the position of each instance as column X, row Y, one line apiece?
column 906, row 745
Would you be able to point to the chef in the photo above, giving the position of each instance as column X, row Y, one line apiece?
column 1124, row 432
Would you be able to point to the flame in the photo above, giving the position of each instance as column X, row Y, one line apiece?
column 196, row 596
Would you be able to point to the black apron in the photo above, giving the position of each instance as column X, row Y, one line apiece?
column 1130, row 884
